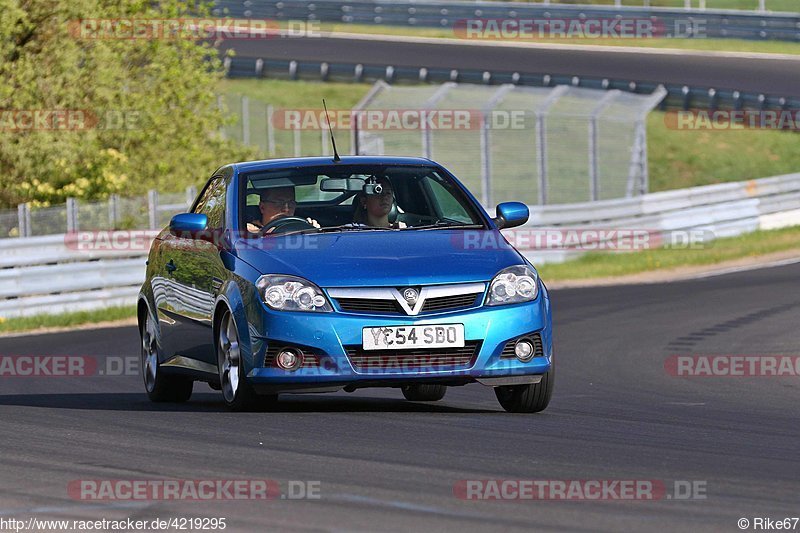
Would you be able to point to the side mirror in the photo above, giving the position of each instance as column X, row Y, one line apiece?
column 511, row 215
column 188, row 225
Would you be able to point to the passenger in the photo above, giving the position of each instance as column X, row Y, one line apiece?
column 373, row 209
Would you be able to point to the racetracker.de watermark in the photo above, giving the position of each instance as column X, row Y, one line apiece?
column 733, row 120
column 401, row 119
column 24, row 120
column 577, row 28
column 579, row 489
column 67, row 366
column 115, row 241
column 191, row 489
column 732, row 366
column 133, row 29
column 583, row 239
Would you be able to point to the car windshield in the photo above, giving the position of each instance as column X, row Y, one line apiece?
column 339, row 198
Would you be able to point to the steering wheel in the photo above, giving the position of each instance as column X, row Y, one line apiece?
column 284, row 224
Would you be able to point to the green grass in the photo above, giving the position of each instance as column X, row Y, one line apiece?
column 33, row 323
column 606, row 264
column 685, row 158
column 729, row 45
column 297, row 94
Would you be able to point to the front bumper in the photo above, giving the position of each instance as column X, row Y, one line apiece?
column 328, row 335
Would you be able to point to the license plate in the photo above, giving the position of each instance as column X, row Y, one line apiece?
column 408, row 337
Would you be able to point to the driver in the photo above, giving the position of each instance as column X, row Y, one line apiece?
column 276, row 203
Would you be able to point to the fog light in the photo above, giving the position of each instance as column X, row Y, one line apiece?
column 523, row 350
column 289, row 359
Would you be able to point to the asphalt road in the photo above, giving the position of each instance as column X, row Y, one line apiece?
column 780, row 77
column 387, row 464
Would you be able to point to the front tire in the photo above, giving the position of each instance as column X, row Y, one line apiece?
column 160, row 387
column 527, row 398
column 236, row 391
column 424, row 393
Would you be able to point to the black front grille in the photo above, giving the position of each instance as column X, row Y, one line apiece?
column 449, row 302
column 367, row 305
column 415, row 359
column 441, row 303
column 535, row 338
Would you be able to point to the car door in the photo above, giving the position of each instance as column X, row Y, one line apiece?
column 195, row 271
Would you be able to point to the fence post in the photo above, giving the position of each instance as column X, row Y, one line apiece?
column 72, row 215
column 594, row 147
column 645, row 183
column 24, row 220
column 270, row 130
column 541, row 157
column 298, row 149
column 152, row 208
column 593, row 159
column 426, row 141
column 245, row 120
column 324, row 141
column 354, row 134
column 113, row 210
column 191, row 194
column 486, row 161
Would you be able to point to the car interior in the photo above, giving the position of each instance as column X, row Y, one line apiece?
column 328, row 195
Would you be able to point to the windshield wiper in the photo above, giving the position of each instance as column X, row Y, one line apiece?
column 351, row 227
column 332, row 229
column 442, row 224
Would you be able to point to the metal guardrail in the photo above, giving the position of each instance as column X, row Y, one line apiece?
column 734, row 24
column 52, row 274
column 678, row 96
column 48, row 275
column 720, row 210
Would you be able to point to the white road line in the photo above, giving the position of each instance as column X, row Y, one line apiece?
column 404, row 506
column 745, row 268
column 633, row 280
column 72, row 508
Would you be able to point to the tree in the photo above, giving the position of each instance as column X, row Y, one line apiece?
column 86, row 117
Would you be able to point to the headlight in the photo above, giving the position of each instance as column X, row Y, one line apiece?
column 513, row 285
column 290, row 293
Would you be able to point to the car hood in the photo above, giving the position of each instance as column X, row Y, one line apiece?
column 383, row 258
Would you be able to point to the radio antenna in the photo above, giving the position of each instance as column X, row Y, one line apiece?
column 336, row 157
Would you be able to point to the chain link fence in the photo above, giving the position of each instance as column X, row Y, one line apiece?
column 538, row 145
column 263, row 125
column 152, row 211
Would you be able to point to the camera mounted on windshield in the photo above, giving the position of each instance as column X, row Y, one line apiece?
column 372, row 187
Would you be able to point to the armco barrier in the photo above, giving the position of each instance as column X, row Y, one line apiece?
column 721, row 210
column 715, row 23
column 49, row 275
column 678, row 96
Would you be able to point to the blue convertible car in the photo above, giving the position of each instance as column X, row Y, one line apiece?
column 316, row 275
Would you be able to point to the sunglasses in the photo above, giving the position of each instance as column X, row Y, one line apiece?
column 291, row 204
